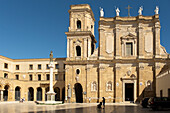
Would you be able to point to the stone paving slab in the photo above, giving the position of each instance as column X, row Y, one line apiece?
column 16, row 107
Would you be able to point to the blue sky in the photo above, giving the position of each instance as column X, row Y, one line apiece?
column 32, row 28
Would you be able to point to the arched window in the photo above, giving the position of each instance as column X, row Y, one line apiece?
column 148, row 85
column 17, row 93
column 78, row 50
column 78, row 24
column 92, row 48
column 109, row 86
column 94, row 86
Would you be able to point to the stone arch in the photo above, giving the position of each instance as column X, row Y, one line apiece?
column 30, row 94
column 57, row 91
column 6, row 92
column 17, row 93
column 46, row 90
column 109, row 86
column 63, row 94
column 78, row 92
column 148, row 85
column 78, row 24
column 39, row 94
column 78, row 50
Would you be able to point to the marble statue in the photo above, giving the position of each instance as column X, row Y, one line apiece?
column 140, row 10
column 157, row 10
column 117, row 12
column 101, row 12
column 51, row 56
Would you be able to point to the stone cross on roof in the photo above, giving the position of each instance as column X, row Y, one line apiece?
column 128, row 10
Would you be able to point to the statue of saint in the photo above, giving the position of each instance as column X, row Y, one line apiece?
column 51, row 56
column 101, row 12
column 157, row 10
column 140, row 10
column 117, row 12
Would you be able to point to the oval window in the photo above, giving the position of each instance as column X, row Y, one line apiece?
column 77, row 71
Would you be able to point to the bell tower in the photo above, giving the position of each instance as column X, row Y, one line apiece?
column 80, row 35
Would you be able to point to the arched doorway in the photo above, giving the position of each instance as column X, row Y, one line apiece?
column 39, row 94
column 79, row 93
column 30, row 94
column 6, row 93
column 17, row 93
column 46, row 90
column 57, row 91
column 63, row 94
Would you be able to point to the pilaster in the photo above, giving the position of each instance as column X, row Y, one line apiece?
column 68, row 48
column 157, row 39
column 118, row 44
column 89, row 47
column 140, row 41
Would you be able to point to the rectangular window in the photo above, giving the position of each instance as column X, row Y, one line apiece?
column 6, row 65
column 168, row 92
column 64, row 77
column 56, row 76
column 129, row 49
column 17, row 67
column 47, row 77
column 17, row 77
column 39, row 66
column 30, row 67
column 39, row 76
column 47, row 67
column 30, row 77
column 56, row 66
column 5, row 75
column 161, row 93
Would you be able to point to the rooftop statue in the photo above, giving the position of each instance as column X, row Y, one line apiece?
column 117, row 12
column 101, row 12
column 140, row 10
column 157, row 10
column 51, row 56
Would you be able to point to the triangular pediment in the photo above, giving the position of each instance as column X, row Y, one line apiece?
column 129, row 36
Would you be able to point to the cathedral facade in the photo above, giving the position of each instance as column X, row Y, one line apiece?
column 122, row 68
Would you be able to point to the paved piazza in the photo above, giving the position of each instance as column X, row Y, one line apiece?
column 30, row 107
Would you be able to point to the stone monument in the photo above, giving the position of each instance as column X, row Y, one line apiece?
column 117, row 12
column 51, row 94
column 140, row 10
column 101, row 12
column 157, row 10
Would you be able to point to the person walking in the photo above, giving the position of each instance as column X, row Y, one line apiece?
column 103, row 102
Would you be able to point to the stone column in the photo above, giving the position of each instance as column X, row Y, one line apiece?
column 141, row 40
column 134, row 48
column 68, row 48
column 140, row 81
column 157, row 39
column 118, row 46
column 118, row 85
column 43, row 93
column 51, row 94
column 1, row 95
column 35, row 94
column 71, row 48
column 85, row 48
column 102, row 41
column 89, row 47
